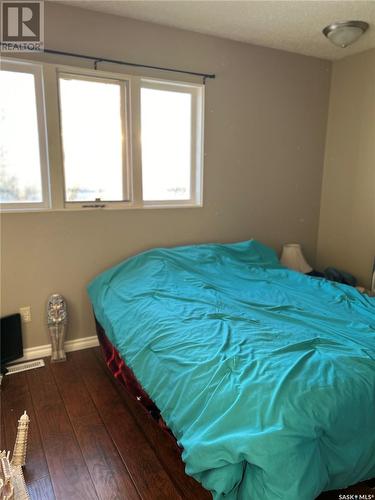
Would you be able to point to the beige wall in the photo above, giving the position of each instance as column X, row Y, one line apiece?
column 347, row 217
column 264, row 150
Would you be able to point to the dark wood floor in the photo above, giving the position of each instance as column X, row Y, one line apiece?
column 89, row 440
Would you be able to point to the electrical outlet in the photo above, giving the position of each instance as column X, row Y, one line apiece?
column 25, row 313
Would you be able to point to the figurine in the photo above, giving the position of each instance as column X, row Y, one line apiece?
column 19, row 452
column 57, row 318
column 12, row 483
column 6, row 484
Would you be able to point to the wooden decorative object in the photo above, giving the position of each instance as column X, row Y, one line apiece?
column 12, row 483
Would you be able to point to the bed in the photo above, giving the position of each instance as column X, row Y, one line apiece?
column 265, row 376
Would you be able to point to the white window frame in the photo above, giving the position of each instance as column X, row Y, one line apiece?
column 124, row 83
column 196, row 134
column 37, row 71
column 52, row 163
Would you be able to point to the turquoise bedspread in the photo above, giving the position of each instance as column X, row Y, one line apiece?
column 265, row 376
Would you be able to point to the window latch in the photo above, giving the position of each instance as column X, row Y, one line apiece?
column 95, row 205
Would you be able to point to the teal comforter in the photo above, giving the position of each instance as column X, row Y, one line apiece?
column 265, row 376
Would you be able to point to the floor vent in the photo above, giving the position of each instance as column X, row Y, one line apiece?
column 22, row 367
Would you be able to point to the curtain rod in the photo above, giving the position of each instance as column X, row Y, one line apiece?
column 125, row 63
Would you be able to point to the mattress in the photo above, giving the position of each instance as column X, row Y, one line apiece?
column 266, row 377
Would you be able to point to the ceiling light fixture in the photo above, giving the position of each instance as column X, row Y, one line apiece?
column 345, row 33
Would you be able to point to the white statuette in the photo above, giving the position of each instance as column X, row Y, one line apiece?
column 19, row 453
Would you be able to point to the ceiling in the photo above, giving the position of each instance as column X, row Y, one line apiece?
column 292, row 25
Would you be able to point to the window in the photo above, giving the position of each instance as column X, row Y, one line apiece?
column 170, row 137
column 93, row 138
column 23, row 155
column 114, row 140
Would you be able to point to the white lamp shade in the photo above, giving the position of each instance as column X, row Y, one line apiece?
column 293, row 258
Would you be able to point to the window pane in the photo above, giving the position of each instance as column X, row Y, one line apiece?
column 166, row 144
column 20, row 174
column 92, row 139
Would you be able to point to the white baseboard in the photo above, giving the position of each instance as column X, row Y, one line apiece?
column 42, row 351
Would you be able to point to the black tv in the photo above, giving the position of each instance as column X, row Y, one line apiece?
column 11, row 346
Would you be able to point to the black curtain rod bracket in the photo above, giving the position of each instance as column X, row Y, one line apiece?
column 96, row 63
column 97, row 59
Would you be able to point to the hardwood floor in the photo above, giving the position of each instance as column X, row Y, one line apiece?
column 90, row 440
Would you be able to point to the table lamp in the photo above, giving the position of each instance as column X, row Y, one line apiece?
column 293, row 258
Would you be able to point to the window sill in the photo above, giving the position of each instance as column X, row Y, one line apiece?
column 108, row 208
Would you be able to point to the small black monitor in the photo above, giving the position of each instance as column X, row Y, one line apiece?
column 10, row 339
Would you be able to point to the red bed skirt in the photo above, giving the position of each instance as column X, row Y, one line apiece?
column 126, row 377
